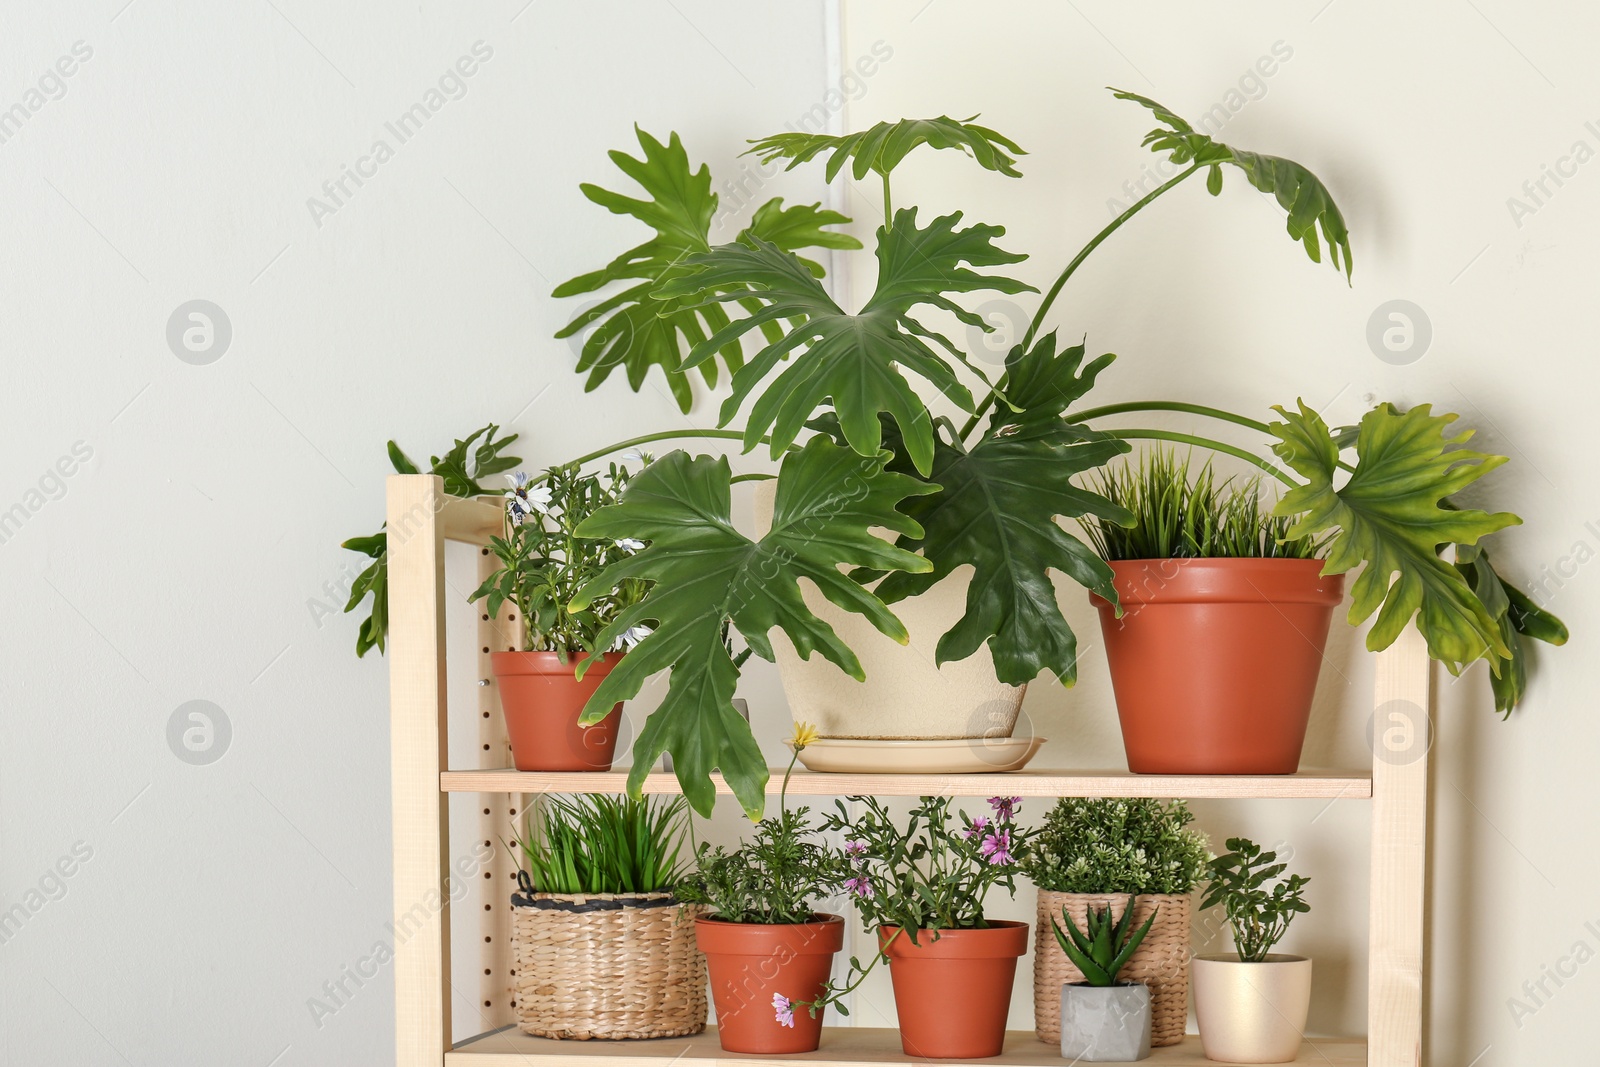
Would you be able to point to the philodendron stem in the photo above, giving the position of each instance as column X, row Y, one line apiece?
column 664, row 435
column 1204, row 442
column 1055, row 290
column 888, row 204
column 1169, row 405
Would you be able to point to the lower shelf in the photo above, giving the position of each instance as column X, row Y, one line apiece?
column 842, row 1046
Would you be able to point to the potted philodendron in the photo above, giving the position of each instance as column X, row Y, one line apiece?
column 603, row 947
column 1103, row 1020
column 769, row 950
column 558, row 663
column 1133, row 856
column 922, row 887
column 980, row 480
column 1252, row 1004
column 1215, row 650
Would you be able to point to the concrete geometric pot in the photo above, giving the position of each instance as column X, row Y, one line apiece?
column 1105, row 1024
column 1252, row 1012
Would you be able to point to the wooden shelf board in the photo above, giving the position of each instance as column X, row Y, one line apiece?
column 842, row 1046
column 472, row 519
column 1030, row 783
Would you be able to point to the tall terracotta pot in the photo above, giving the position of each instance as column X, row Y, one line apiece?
column 542, row 698
column 953, row 994
column 1214, row 661
column 752, row 962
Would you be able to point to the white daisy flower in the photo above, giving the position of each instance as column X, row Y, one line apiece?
column 630, row 544
column 634, row 455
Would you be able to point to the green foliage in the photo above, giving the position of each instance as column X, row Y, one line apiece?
column 543, row 563
column 707, row 576
column 1515, row 615
column 1298, row 191
column 1391, row 515
column 1104, row 946
column 1179, row 515
column 774, row 877
column 880, row 149
column 638, row 326
column 852, row 361
column 462, row 470
column 996, row 510
column 1099, row 845
column 1259, row 916
column 934, row 873
column 603, row 844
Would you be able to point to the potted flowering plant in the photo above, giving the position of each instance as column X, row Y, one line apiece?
column 768, row 949
column 922, row 886
column 1252, row 1004
column 1135, row 856
column 560, row 659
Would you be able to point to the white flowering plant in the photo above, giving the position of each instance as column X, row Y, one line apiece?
column 543, row 562
column 1118, row 846
column 935, row 872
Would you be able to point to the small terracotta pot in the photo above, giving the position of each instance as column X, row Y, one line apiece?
column 1214, row 661
column 750, row 962
column 1252, row 1012
column 953, row 994
column 542, row 699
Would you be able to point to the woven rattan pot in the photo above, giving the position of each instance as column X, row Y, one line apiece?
column 1161, row 961
column 609, row 967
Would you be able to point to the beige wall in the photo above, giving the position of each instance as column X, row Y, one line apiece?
column 1423, row 119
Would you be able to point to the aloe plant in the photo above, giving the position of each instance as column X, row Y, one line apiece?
column 1105, row 945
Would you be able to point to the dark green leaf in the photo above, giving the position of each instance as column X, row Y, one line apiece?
column 708, row 575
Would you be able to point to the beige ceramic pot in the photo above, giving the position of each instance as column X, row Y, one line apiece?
column 1251, row 1012
column 905, row 696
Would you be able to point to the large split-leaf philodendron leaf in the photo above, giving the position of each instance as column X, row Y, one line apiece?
column 1518, row 617
column 708, row 576
column 637, row 329
column 1389, row 516
column 880, row 149
column 853, row 360
column 996, row 510
column 1298, row 191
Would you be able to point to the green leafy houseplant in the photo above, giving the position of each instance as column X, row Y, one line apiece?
column 604, row 844
column 1104, row 945
column 1137, row 846
column 543, row 563
column 776, row 876
column 1177, row 514
column 935, row 871
column 1259, row 909
column 462, row 469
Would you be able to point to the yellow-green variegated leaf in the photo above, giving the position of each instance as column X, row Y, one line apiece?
column 1390, row 515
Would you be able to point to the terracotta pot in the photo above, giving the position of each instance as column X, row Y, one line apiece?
column 953, row 994
column 1214, row 661
column 750, row 962
column 542, row 699
column 905, row 695
column 1252, row 1012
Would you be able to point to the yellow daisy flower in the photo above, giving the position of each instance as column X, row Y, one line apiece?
column 804, row 734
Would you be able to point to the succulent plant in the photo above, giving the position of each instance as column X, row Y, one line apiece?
column 1105, row 945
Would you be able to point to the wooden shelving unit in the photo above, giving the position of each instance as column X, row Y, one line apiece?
column 421, row 517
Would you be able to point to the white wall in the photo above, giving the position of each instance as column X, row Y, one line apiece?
column 1423, row 119
column 186, row 559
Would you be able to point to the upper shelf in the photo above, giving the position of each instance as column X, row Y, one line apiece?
column 1352, row 785
column 472, row 519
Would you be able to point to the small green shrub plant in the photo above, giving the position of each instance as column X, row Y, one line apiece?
column 1107, row 845
column 1259, row 902
column 604, row 844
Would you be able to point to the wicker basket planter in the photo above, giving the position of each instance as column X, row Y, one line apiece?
column 607, row 967
column 1161, row 961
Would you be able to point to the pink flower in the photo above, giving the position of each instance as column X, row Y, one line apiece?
column 979, row 825
column 998, row 848
column 783, row 1010
column 860, row 886
column 854, row 849
column 1005, row 807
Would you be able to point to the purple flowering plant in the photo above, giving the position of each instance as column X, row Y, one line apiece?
column 933, row 872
